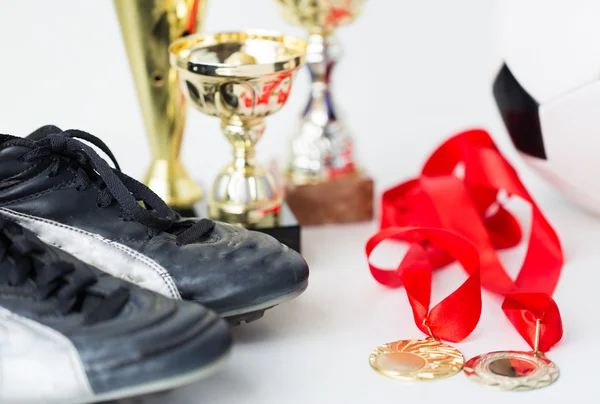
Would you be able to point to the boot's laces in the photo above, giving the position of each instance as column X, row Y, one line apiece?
column 23, row 260
column 65, row 151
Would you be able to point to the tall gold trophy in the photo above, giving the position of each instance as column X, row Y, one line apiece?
column 148, row 27
column 241, row 78
column 324, row 184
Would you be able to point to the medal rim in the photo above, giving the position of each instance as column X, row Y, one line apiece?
column 546, row 373
column 422, row 374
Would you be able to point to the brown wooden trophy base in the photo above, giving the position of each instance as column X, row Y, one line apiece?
column 348, row 199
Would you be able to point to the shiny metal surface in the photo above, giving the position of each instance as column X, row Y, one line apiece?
column 512, row 370
column 321, row 16
column 417, row 360
column 322, row 150
column 148, row 27
column 240, row 77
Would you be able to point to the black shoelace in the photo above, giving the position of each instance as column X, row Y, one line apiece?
column 64, row 150
column 22, row 260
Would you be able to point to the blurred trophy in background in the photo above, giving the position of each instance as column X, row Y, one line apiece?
column 148, row 27
column 324, row 184
column 241, row 78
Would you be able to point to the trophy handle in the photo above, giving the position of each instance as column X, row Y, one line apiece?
column 148, row 28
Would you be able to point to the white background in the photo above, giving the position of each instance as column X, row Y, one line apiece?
column 414, row 72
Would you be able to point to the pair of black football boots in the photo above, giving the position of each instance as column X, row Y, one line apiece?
column 105, row 291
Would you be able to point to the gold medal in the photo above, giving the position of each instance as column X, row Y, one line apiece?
column 513, row 370
column 417, row 360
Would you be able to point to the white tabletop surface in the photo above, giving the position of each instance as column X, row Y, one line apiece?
column 413, row 73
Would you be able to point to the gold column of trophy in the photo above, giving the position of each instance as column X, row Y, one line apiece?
column 242, row 77
column 148, row 27
column 323, row 182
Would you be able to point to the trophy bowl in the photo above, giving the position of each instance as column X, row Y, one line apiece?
column 240, row 77
column 321, row 16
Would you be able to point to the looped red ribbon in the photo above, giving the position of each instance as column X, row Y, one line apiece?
column 467, row 205
column 462, row 308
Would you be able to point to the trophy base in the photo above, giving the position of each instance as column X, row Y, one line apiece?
column 286, row 228
column 348, row 199
column 281, row 225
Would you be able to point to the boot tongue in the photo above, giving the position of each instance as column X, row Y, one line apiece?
column 43, row 132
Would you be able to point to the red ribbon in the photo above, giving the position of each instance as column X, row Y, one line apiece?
column 456, row 316
column 191, row 28
column 467, row 206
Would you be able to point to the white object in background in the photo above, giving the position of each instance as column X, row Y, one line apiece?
column 548, row 91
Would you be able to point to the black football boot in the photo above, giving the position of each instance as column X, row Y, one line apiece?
column 60, row 188
column 70, row 333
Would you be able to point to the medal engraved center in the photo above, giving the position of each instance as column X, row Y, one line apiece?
column 400, row 362
column 512, row 367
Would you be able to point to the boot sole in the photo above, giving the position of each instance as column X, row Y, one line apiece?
column 253, row 313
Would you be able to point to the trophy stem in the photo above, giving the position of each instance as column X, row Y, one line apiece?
column 323, row 53
column 243, row 135
column 245, row 192
column 323, row 149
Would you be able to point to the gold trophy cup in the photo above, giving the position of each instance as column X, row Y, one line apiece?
column 240, row 77
column 324, row 183
column 148, row 27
